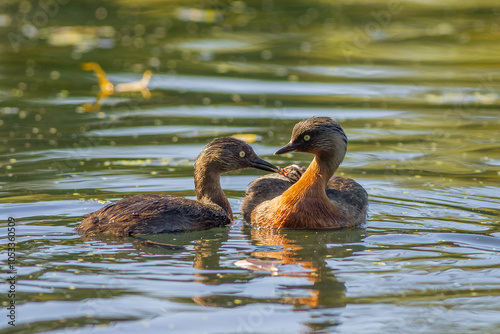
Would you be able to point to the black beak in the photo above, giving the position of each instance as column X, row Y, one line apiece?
column 264, row 165
column 290, row 147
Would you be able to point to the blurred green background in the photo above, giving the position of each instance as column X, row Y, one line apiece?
column 414, row 84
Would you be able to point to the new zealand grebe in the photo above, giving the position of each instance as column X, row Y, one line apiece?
column 155, row 213
column 318, row 199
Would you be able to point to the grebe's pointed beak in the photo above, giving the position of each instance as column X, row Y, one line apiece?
column 264, row 165
column 290, row 147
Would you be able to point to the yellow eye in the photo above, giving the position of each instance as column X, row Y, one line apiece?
column 307, row 137
column 242, row 154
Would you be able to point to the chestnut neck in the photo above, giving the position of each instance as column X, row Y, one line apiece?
column 316, row 177
column 208, row 189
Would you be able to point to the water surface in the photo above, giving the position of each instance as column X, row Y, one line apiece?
column 413, row 83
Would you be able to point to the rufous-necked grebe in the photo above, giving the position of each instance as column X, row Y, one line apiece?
column 318, row 199
column 155, row 213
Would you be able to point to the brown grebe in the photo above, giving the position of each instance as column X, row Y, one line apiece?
column 155, row 213
column 318, row 199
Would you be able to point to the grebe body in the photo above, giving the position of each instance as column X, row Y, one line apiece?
column 156, row 213
column 318, row 199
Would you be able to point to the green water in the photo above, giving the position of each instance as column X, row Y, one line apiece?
column 414, row 84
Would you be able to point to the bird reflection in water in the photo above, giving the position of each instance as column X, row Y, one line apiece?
column 107, row 88
column 304, row 254
column 286, row 255
column 304, row 274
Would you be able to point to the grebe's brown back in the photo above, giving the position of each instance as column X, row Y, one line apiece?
column 318, row 199
column 155, row 213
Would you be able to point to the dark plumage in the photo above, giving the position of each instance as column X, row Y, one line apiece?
column 155, row 213
column 318, row 199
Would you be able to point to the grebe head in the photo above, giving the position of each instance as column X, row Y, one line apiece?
column 293, row 172
column 227, row 154
column 321, row 136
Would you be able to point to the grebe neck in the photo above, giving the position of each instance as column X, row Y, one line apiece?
column 318, row 173
column 208, row 189
column 305, row 203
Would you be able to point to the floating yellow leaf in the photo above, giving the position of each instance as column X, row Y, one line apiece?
column 246, row 137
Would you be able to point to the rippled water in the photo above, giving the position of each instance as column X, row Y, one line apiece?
column 413, row 83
